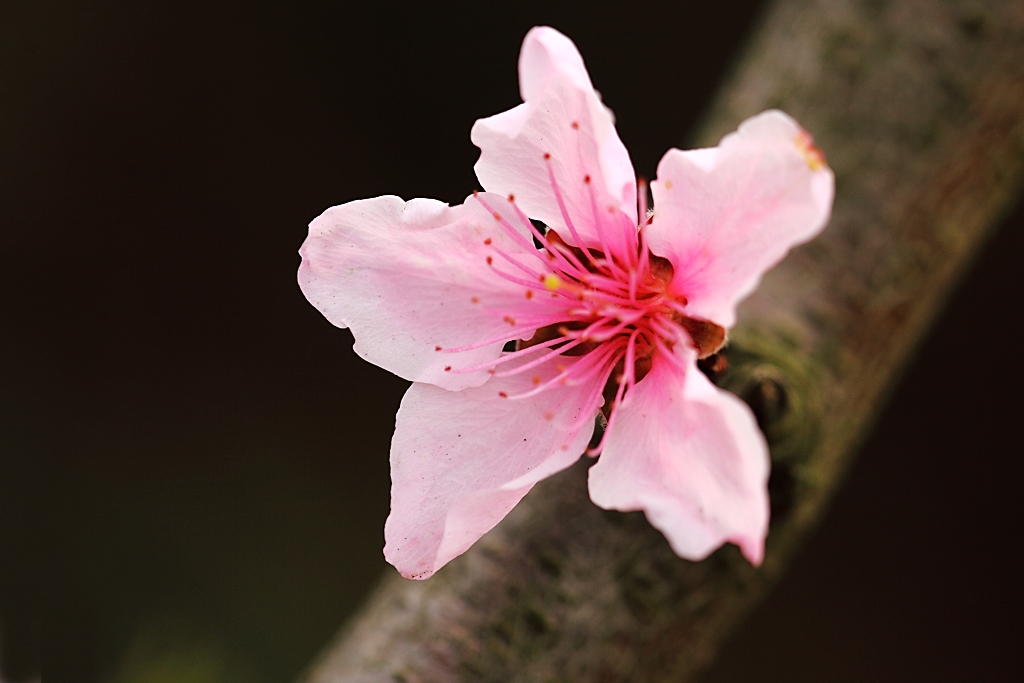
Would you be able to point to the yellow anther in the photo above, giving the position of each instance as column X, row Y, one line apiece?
column 812, row 155
column 552, row 281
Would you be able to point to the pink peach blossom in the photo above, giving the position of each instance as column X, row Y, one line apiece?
column 610, row 315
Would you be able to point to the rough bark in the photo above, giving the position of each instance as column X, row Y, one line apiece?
column 919, row 105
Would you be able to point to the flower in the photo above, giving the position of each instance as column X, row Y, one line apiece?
column 610, row 306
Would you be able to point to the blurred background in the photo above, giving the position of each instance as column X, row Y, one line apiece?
column 194, row 464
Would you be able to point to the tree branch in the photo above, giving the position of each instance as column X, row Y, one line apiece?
column 920, row 106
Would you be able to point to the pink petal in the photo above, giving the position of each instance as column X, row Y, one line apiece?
column 412, row 279
column 460, row 461
column 725, row 216
column 562, row 115
column 692, row 458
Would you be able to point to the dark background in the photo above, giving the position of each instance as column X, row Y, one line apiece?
column 194, row 464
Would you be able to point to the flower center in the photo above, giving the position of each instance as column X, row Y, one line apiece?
column 604, row 300
column 605, row 303
column 609, row 307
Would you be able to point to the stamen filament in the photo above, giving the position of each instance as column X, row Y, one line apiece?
column 513, row 355
column 511, row 335
column 627, row 380
column 599, row 225
column 565, row 213
column 538, row 361
column 579, row 371
column 574, row 267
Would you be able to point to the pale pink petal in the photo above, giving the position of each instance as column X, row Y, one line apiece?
column 562, row 116
column 692, row 458
column 724, row 216
column 412, row 280
column 460, row 461
column 546, row 54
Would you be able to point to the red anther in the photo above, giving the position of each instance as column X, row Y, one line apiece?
column 509, row 319
column 497, row 216
column 536, row 380
column 546, row 156
column 529, row 294
column 575, row 125
column 447, row 368
column 487, row 241
column 437, row 348
column 549, row 416
column 502, row 394
column 475, row 299
column 586, row 178
column 511, row 197
column 490, row 260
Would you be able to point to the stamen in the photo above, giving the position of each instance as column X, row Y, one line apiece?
column 674, row 334
column 626, row 380
column 679, row 306
column 591, row 405
column 668, row 354
column 508, row 257
column 538, row 321
column 574, row 266
column 608, row 334
column 532, row 284
column 578, row 372
column 539, row 361
column 557, row 247
column 629, row 363
column 641, row 200
column 514, row 355
column 516, row 236
column 599, row 225
column 565, row 213
column 645, row 253
column 506, row 337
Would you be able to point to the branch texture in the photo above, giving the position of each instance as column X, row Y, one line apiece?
column 920, row 107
